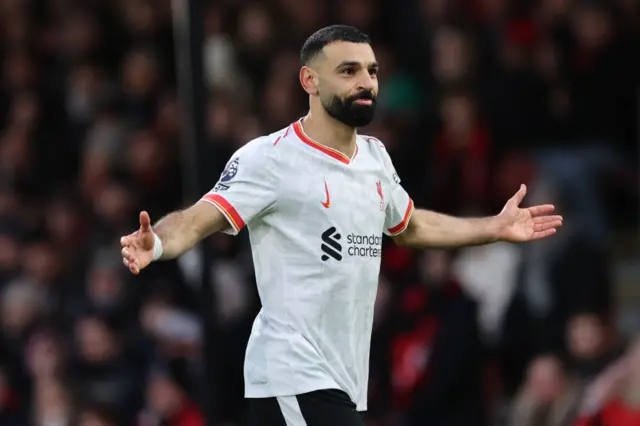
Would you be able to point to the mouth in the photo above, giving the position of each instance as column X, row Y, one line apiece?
column 364, row 101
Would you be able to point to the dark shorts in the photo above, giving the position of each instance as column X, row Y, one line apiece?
column 328, row 407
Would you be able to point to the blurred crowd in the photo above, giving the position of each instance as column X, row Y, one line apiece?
column 477, row 96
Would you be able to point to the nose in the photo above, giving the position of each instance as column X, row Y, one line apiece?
column 366, row 82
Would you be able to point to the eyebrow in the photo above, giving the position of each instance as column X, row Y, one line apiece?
column 345, row 64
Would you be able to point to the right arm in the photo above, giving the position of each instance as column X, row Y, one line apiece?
column 179, row 231
column 173, row 235
column 247, row 188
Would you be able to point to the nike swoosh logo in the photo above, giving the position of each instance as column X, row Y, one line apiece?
column 326, row 204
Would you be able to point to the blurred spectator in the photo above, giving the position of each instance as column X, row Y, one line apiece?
column 462, row 158
column 591, row 345
column 476, row 97
column 168, row 401
column 23, row 306
column 105, row 291
column 140, row 80
column 177, row 331
column 436, row 354
column 452, row 57
column 613, row 398
column 52, row 404
column 45, row 357
column 549, row 396
column 103, row 372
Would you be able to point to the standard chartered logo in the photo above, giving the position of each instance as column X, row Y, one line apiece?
column 330, row 245
column 364, row 245
column 357, row 245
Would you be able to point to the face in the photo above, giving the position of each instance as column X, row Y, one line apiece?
column 591, row 27
column 344, row 78
column 104, row 289
column 96, row 344
column 586, row 336
column 41, row 262
column 435, row 267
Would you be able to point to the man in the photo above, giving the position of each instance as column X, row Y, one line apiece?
column 316, row 197
column 168, row 400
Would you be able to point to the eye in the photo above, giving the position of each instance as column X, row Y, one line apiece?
column 348, row 71
column 373, row 72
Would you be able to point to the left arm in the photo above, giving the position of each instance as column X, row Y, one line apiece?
column 428, row 229
column 436, row 230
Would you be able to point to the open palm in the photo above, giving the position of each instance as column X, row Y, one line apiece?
column 137, row 248
column 527, row 224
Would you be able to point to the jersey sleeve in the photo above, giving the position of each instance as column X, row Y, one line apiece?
column 248, row 186
column 400, row 206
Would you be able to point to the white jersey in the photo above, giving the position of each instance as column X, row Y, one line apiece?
column 315, row 220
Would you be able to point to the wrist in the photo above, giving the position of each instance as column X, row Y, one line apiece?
column 157, row 248
column 496, row 229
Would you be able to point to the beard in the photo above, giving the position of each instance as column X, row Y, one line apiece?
column 348, row 112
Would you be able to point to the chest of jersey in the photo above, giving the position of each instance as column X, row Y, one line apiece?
column 343, row 206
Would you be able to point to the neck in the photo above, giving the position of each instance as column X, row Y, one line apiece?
column 328, row 131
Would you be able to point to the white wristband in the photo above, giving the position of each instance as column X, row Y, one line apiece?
column 157, row 248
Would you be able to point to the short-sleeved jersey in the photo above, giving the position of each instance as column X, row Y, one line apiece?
column 316, row 220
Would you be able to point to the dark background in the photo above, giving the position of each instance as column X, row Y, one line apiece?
column 477, row 96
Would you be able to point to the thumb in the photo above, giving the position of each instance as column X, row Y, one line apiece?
column 519, row 196
column 145, row 222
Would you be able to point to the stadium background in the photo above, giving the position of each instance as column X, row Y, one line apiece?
column 476, row 97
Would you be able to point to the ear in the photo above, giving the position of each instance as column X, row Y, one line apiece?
column 309, row 80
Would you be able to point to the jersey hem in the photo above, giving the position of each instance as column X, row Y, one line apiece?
column 270, row 393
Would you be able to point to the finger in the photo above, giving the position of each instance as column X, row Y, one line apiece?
column 544, row 234
column 538, row 227
column 541, row 210
column 145, row 222
column 519, row 196
column 126, row 254
column 131, row 266
column 125, row 241
column 545, row 219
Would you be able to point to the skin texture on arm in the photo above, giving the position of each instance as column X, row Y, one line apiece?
column 436, row 230
column 179, row 231
column 428, row 229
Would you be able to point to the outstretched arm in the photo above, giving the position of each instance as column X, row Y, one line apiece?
column 172, row 236
column 513, row 224
column 179, row 231
column 436, row 230
column 248, row 187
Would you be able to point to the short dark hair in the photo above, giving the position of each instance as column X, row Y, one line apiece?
column 318, row 40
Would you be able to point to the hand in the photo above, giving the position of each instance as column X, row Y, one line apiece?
column 518, row 225
column 137, row 248
column 605, row 386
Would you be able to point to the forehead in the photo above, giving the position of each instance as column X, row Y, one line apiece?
column 341, row 51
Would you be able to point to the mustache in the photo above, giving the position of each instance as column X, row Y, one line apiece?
column 365, row 94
